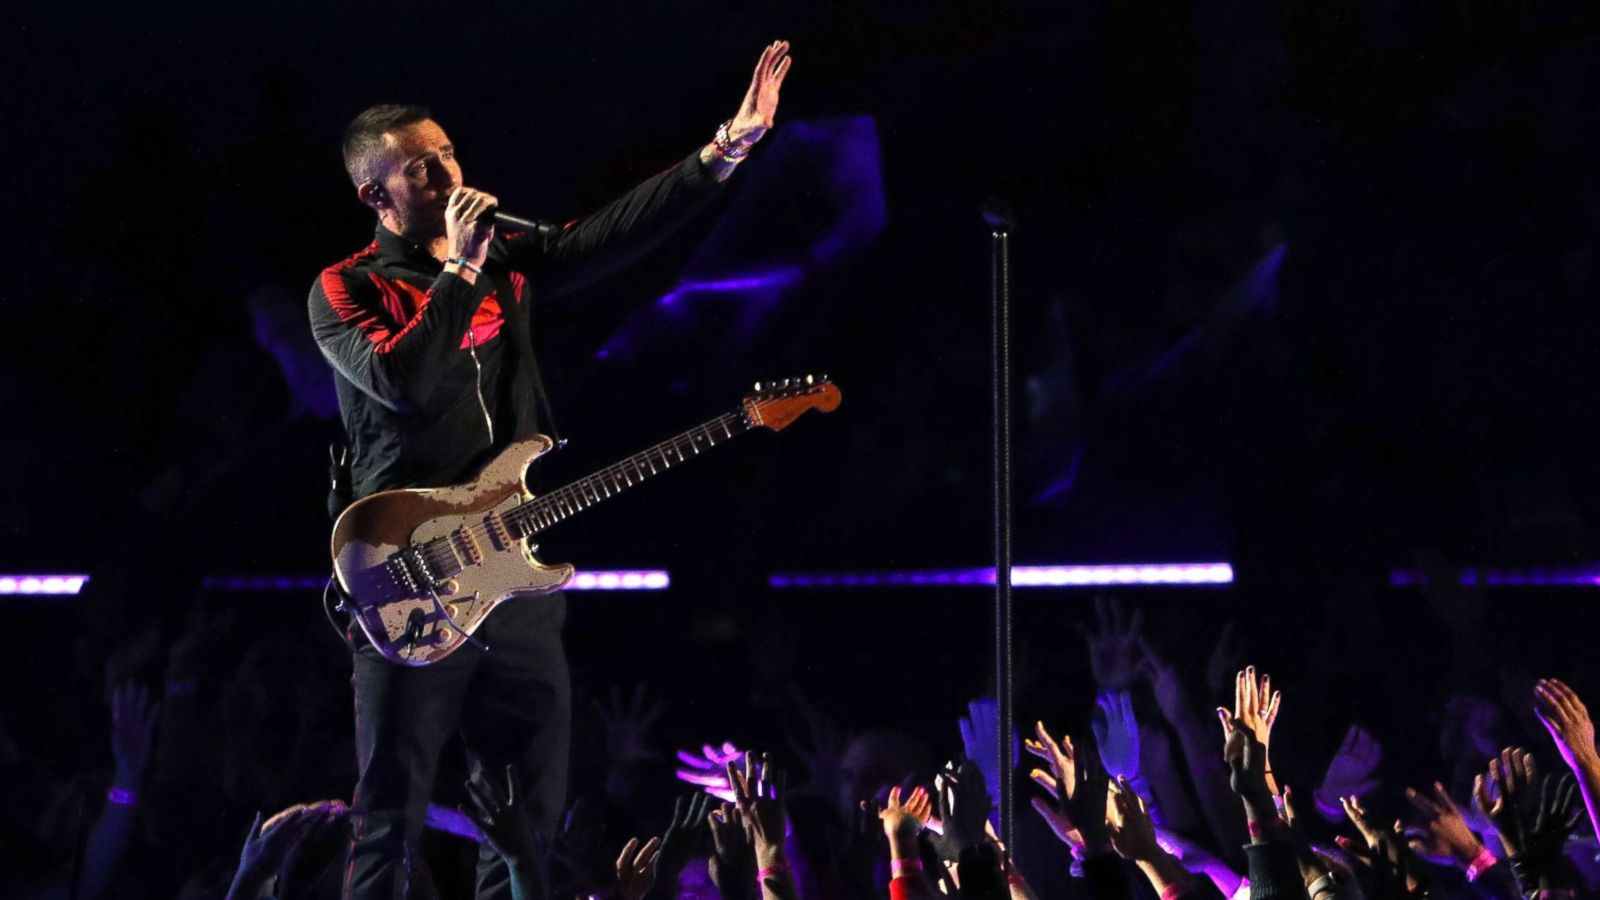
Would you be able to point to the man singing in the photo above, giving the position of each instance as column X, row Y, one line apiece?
column 428, row 330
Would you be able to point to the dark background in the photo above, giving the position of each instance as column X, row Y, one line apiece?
column 1307, row 286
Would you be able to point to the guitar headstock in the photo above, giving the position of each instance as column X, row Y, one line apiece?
column 774, row 404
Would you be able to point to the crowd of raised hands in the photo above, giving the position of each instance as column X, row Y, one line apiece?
column 1146, row 796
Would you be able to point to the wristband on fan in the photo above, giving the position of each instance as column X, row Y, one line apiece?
column 1016, row 880
column 1260, row 827
column 900, row 868
column 467, row 264
column 1480, row 864
column 1174, row 891
column 122, row 797
column 770, row 871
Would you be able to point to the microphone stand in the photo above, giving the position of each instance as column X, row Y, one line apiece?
column 997, row 215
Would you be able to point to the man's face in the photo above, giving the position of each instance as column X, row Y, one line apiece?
column 419, row 173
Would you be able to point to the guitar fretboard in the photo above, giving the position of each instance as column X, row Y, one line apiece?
column 563, row 502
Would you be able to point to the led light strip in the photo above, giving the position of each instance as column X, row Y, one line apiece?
column 1207, row 573
column 607, row 580
column 42, row 584
column 1572, row 576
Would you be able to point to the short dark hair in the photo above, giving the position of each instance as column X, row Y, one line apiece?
column 363, row 140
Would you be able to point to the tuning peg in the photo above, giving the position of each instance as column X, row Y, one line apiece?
column 784, row 383
column 811, row 379
column 824, row 376
column 758, row 387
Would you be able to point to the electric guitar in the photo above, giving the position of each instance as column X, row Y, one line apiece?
column 422, row 568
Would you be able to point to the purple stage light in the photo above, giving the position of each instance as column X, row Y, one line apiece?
column 1569, row 576
column 450, row 821
column 618, row 580
column 42, row 584
column 1174, row 574
column 626, row 580
column 766, row 281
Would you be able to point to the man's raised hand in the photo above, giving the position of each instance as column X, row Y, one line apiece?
column 760, row 104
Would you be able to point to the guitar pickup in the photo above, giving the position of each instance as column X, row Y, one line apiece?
column 499, row 535
column 466, row 546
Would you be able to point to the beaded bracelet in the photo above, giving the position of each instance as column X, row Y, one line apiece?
column 122, row 797
column 727, row 149
column 464, row 263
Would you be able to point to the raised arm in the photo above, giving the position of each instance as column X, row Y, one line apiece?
column 626, row 228
column 1533, row 813
column 133, row 723
column 499, row 810
column 1133, row 836
column 1274, row 869
column 1567, row 720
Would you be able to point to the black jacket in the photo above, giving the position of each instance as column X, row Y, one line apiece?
column 412, row 347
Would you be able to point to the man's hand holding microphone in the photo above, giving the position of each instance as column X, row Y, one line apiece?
column 468, row 231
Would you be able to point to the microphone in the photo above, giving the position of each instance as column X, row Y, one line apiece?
column 498, row 216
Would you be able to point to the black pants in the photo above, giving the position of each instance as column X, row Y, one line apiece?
column 513, row 705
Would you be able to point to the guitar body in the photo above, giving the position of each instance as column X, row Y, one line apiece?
column 402, row 616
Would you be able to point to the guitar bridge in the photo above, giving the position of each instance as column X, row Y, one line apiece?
column 413, row 570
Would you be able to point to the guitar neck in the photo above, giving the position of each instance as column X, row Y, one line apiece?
column 564, row 502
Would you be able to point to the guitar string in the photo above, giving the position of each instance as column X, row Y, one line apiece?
column 523, row 514
column 576, row 499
